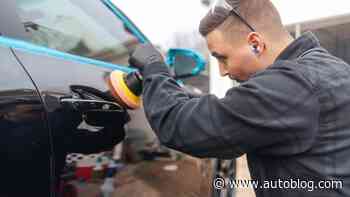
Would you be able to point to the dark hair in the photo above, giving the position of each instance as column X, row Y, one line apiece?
column 212, row 21
column 261, row 14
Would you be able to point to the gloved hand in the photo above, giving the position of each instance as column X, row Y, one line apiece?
column 144, row 55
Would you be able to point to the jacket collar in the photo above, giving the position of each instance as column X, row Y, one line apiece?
column 299, row 46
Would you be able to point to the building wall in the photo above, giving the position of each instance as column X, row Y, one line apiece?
column 333, row 36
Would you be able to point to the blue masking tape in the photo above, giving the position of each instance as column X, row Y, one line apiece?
column 32, row 48
column 142, row 38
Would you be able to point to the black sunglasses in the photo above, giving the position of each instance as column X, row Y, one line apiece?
column 235, row 12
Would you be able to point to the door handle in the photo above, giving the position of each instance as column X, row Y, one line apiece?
column 83, row 105
column 97, row 112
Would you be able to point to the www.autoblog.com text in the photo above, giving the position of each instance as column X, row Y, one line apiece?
column 222, row 183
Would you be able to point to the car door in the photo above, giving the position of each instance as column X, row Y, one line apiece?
column 25, row 149
column 69, row 50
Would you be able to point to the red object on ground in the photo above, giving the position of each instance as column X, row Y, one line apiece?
column 84, row 173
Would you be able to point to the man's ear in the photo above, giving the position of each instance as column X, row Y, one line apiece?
column 256, row 42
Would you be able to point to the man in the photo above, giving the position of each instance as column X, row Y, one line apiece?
column 290, row 113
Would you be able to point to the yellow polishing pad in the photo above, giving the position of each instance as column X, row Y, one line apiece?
column 120, row 89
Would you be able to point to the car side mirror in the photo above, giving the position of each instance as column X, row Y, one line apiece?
column 185, row 62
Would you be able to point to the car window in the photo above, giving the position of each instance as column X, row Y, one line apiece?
column 86, row 28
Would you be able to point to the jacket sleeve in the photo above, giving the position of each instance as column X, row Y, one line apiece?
column 275, row 113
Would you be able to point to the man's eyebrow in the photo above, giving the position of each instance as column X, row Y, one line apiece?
column 217, row 55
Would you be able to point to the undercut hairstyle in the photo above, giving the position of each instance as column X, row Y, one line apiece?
column 262, row 15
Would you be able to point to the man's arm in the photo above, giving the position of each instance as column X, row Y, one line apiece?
column 275, row 112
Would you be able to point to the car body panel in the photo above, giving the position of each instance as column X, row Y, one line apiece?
column 25, row 136
column 55, row 78
column 54, row 73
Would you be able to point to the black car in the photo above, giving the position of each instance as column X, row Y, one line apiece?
column 55, row 59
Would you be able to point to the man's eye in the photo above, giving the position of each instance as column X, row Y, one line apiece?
column 222, row 60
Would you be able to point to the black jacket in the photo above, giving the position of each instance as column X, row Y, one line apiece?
column 291, row 119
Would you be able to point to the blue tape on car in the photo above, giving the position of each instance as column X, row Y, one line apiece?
column 32, row 48
column 26, row 46
column 142, row 38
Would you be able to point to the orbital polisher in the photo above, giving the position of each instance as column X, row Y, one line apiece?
column 126, row 88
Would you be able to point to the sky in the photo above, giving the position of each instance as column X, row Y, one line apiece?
column 159, row 19
column 293, row 11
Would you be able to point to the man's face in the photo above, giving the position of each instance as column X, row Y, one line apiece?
column 236, row 60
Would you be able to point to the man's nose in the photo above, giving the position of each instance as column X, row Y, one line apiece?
column 223, row 71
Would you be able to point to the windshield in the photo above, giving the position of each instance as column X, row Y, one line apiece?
column 86, row 28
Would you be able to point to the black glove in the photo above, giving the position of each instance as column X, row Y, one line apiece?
column 143, row 55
